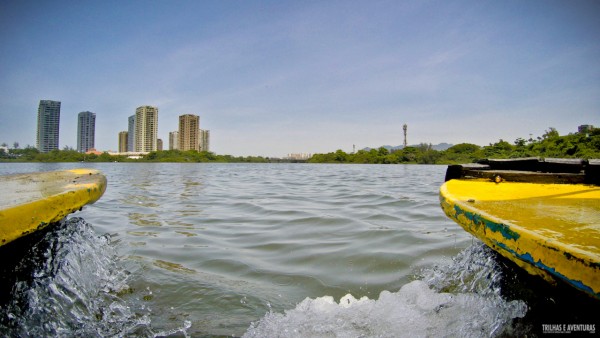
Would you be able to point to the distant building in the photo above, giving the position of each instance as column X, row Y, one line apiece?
column 189, row 132
column 159, row 144
column 300, row 156
column 585, row 128
column 204, row 140
column 86, row 131
column 174, row 140
column 48, row 125
column 123, row 141
column 93, row 151
column 131, row 134
column 129, row 154
column 146, row 129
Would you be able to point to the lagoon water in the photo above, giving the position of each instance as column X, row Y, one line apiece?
column 266, row 250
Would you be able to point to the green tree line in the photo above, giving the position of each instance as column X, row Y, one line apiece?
column 549, row 145
column 195, row 156
column 32, row 154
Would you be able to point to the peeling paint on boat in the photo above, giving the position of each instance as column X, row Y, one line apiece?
column 530, row 225
column 30, row 202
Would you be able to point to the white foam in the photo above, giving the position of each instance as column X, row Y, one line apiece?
column 422, row 308
column 414, row 311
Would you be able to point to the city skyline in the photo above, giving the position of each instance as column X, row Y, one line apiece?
column 272, row 78
column 142, row 129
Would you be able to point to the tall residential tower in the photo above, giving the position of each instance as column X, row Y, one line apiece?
column 174, row 140
column 146, row 129
column 123, row 137
column 189, row 132
column 131, row 134
column 48, row 125
column 204, row 140
column 86, row 131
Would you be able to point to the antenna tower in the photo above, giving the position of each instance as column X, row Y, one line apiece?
column 405, row 127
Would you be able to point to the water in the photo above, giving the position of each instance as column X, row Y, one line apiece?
column 270, row 250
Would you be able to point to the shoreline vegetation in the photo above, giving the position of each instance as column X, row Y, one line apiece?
column 550, row 145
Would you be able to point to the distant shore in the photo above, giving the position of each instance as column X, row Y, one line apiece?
column 550, row 145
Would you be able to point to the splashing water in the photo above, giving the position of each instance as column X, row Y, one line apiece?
column 203, row 250
column 474, row 270
column 460, row 299
column 77, row 288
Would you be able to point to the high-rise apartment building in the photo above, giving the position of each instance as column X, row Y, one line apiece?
column 204, row 140
column 48, row 125
column 131, row 134
column 123, row 141
column 159, row 145
column 146, row 129
column 189, row 132
column 86, row 131
column 174, row 140
column 585, row 128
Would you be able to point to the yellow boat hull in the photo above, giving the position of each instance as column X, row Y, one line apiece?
column 550, row 230
column 29, row 202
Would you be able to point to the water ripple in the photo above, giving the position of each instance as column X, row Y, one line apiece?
column 216, row 246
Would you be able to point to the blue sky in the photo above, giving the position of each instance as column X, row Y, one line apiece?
column 276, row 77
